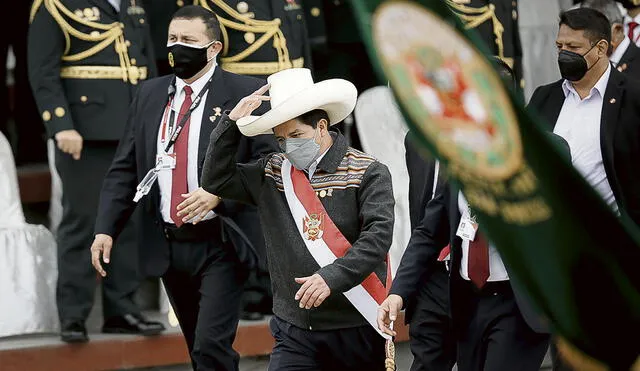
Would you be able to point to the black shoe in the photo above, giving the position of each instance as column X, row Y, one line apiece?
column 132, row 324
column 251, row 316
column 74, row 332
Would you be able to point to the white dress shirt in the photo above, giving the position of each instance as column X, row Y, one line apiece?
column 579, row 124
column 314, row 165
column 497, row 270
column 617, row 54
column 115, row 4
column 165, row 178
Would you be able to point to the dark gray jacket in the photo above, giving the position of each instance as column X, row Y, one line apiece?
column 358, row 198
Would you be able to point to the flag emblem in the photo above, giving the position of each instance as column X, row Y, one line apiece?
column 449, row 90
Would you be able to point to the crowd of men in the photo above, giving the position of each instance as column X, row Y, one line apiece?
column 178, row 160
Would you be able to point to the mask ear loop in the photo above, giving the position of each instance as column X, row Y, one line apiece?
column 589, row 51
column 215, row 55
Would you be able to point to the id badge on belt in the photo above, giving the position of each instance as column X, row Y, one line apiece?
column 467, row 229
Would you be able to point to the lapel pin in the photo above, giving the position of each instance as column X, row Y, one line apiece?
column 612, row 101
column 212, row 118
column 218, row 111
column 619, row 68
column 330, row 192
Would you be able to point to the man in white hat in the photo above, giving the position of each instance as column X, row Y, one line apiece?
column 327, row 215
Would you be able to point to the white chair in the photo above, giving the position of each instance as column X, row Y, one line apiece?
column 28, row 265
column 382, row 129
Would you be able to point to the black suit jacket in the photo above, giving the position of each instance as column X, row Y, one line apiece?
column 630, row 62
column 436, row 230
column 421, row 172
column 136, row 155
column 619, row 134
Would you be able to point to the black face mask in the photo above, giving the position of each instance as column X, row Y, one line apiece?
column 187, row 60
column 572, row 65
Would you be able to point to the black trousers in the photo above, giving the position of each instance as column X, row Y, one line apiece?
column 496, row 336
column 81, row 184
column 296, row 349
column 204, row 284
column 432, row 340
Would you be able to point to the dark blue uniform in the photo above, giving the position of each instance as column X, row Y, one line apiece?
column 86, row 59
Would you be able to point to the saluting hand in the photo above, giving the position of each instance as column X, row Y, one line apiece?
column 102, row 244
column 313, row 291
column 197, row 204
column 249, row 103
column 69, row 141
column 388, row 312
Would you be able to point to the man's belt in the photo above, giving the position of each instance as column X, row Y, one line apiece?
column 260, row 68
column 132, row 74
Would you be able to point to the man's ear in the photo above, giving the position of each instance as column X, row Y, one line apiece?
column 323, row 125
column 214, row 49
column 602, row 47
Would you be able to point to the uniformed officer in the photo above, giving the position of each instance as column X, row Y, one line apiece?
column 497, row 24
column 260, row 37
column 85, row 60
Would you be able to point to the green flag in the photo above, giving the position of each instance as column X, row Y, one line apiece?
column 576, row 259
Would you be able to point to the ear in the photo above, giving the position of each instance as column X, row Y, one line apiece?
column 603, row 47
column 617, row 34
column 324, row 126
column 214, row 49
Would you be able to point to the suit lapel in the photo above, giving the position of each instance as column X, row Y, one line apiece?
column 217, row 98
column 555, row 101
column 628, row 57
column 609, row 118
column 157, row 104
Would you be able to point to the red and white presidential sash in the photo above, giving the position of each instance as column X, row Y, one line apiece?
column 326, row 243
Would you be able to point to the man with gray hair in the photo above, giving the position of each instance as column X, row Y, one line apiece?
column 625, row 55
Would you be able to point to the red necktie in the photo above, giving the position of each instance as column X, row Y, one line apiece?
column 179, row 184
column 632, row 28
column 478, row 265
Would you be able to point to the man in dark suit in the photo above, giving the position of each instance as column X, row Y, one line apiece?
column 187, row 235
column 596, row 109
column 625, row 55
column 86, row 58
column 495, row 327
column 432, row 342
column 261, row 37
column 422, row 281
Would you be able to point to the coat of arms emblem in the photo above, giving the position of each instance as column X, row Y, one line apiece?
column 312, row 228
column 456, row 99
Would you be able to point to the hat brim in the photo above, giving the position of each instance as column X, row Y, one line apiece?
column 337, row 97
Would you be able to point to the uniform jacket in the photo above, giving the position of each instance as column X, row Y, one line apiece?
column 85, row 61
column 358, row 198
column 136, row 154
column 506, row 16
column 619, row 134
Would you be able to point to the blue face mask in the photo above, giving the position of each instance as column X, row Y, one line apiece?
column 301, row 152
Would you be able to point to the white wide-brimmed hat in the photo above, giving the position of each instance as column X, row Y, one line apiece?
column 293, row 93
